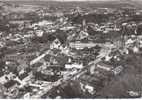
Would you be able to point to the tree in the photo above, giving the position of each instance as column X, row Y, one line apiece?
column 118, row 88
column 61, row 35
column 139, row 29
column 2, row 89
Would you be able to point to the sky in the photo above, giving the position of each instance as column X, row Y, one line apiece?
column 82, row 0
column 86, row 0
column 98, row 0
column 59, row 0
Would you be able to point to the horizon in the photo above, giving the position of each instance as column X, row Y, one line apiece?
column 65, row 0
column 78, row 0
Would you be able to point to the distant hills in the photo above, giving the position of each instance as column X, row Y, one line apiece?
column 63, row 0
column 77, row 0
column 136, row 3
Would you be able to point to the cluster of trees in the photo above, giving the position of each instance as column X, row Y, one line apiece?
column 129, row 80
column 96, row 18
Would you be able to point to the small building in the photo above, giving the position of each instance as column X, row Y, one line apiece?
column 55, row 44
column 82, row 35
column 104, row 66
column 39, row 33
column 43, row 23
column 70, row 66
column 117, row 70
column 79, row 45
column 101, row 67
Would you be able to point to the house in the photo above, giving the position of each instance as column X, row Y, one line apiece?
column 65, row 50
column 82, row 35
column 108, row 58
column 117, row 70
column 55, row 44
column 27, row 95
column 135, row 49
column 75, row 65
column 90, row 83
column 13, row 90
column 89, row 88
column 39, row 33
column 104, row 66
column 67, row 28
column 100, row 66
column 79, row 45
column 133, row 93
column 43, row 23
column 3, row 79
column 129, row 41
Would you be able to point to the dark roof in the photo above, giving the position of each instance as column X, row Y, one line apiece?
column 10, row 83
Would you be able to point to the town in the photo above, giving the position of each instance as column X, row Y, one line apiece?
column 70, row 50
